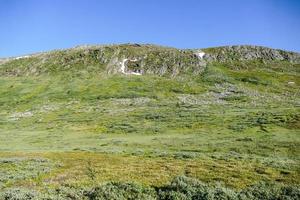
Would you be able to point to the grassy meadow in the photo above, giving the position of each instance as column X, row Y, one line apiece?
column 229, row 129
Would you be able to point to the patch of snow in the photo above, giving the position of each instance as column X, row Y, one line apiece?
column 20, row 57
column 135, row 73
column 123, row 67
column 200, row 55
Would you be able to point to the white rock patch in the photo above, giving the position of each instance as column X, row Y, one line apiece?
column 19, row 115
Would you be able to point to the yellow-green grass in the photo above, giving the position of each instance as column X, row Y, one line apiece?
column 74, row 169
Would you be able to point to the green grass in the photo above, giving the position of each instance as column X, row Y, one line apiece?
column 234, row 126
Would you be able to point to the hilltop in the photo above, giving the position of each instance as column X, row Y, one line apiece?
column 141, row 59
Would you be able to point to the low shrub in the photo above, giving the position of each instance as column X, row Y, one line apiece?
column 120, row 191
column 181, row 188
column 18, row 194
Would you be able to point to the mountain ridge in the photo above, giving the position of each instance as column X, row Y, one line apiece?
column 141, row 59
column 83, row 46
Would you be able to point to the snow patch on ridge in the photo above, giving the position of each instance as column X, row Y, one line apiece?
column 123, row 67
column 20, row 57
column 200, row 55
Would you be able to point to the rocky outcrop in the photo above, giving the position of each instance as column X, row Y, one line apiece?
column 247, row 52
column 149, row 59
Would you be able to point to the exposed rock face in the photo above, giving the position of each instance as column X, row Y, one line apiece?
column 149, row 59
column 245, row 52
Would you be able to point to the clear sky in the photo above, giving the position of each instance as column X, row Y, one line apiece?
column 28, row 26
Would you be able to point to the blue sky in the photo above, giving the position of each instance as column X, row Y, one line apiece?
column 29, row 26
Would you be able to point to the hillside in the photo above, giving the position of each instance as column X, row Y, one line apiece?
column 130, row 118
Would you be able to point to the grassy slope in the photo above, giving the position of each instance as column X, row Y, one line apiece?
column 234, row 124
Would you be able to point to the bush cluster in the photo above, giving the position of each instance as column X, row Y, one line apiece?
column 181, row 188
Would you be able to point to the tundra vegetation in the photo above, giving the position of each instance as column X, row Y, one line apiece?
column 221, row 126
